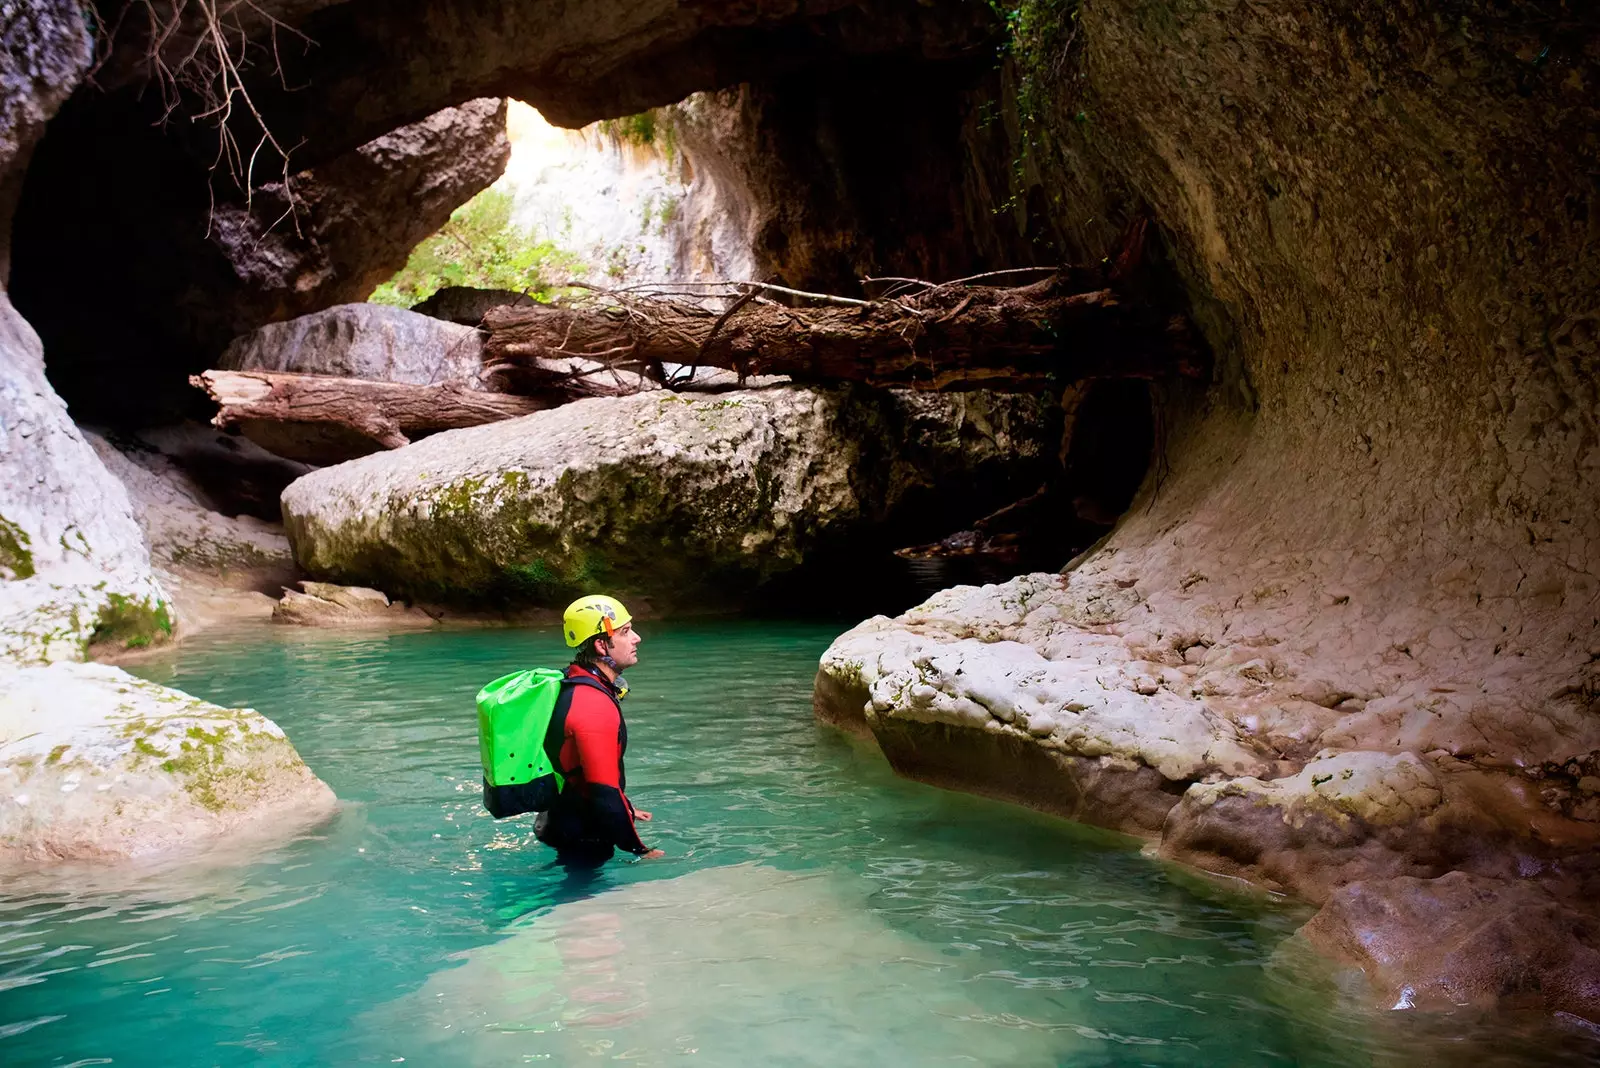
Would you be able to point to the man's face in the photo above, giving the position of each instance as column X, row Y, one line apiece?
column 625, row 646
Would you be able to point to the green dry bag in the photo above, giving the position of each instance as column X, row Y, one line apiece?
column 513, row 716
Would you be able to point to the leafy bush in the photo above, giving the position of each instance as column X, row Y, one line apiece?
column 481, row 247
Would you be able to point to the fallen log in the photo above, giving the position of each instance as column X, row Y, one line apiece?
column 945, row 337
column 320, row 419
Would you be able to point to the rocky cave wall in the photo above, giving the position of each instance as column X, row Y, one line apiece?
column 1388, row 215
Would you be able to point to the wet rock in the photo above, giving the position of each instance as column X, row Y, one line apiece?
column 683, row 499
column 952, row 700
column 322, row 604
column 1345, row 816
column 362, row 341
column 97, row 764
column 1464, row 939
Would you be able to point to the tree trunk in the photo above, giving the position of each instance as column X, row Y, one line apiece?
column 945, row 338
column 320, row 419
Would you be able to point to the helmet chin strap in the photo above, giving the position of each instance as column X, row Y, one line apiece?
column 620, row 683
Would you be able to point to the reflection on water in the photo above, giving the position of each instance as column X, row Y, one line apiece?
column 813, row 909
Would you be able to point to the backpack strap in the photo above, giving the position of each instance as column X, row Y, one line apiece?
column 582, row 680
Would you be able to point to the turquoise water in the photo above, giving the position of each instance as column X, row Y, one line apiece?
column 813, row 909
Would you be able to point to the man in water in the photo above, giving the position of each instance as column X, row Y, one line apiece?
column 592, row 817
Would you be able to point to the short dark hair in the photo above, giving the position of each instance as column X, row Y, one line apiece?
column 588, row 653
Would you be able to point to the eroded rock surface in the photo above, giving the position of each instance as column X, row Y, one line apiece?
column 363, row 341
column 72, row 557
column 683, row 499
column 322, row 604
column 101, row 765
column 1464, row 939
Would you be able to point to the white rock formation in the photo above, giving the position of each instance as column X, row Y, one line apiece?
column 100, row 765
column 93, row 762
column 71, row 550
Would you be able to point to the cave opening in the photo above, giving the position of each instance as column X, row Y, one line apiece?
column 1112, row 444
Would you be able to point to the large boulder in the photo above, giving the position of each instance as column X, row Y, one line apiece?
column 101, row 765
column 363, row 341
column 679, row 498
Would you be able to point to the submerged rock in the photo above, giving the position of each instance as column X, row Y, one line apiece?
column 363, row 341
column 95, row 763
column 1464, row 939
column 678, row 498
column 322, row 604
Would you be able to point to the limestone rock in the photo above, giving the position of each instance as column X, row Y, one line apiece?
column 1464, row 939
column 188, row 535
column 678, row 498
column 363, row 341
column 72, row 557
column 97, row 764
column 322, row 604
column 944, row 691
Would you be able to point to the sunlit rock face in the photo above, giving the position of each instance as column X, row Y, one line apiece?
column 632, row 203
column 99, row 765
column 688, row 500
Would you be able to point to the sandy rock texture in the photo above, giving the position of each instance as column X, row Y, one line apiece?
column 322, row 604
column 678, row 498
column 202, row 499
column 363, row 341
column 1095, row 696
column 101, row 765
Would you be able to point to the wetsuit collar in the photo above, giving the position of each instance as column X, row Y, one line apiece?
column 618, row 689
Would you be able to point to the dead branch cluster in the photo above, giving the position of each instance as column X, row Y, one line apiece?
column 195, row 54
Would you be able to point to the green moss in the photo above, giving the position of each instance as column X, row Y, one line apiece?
column 56, row 754
column 132, row 623
column 202, row 764
column 15, row 555
column 143, row 747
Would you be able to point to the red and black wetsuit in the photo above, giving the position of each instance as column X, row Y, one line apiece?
column 587, row 740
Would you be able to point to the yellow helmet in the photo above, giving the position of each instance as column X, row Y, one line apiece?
column 588, row 616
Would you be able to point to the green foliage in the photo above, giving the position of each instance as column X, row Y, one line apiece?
column 1039, row 37
column 15, row 556
column 131, row 623
column 656, row 127
column 481, row 247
